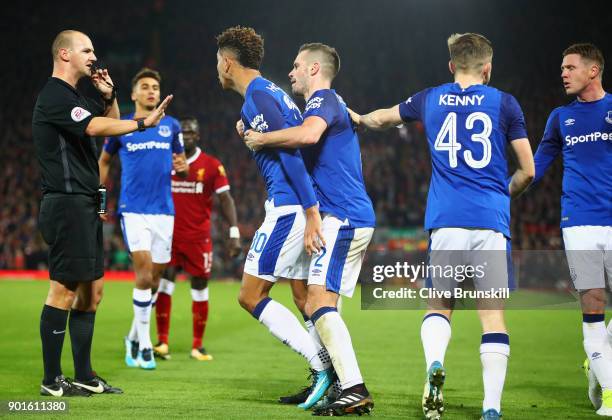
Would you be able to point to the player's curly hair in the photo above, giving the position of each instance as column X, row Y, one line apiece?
column 247, row 44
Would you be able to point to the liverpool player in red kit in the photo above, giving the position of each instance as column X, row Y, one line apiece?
column 192, row 245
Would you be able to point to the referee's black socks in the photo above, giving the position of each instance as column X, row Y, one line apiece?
column 52, row 333
column 81, row 327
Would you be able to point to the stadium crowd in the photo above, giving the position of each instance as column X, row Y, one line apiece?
column 396, row 164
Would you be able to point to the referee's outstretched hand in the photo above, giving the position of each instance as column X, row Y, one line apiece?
column 155, row 117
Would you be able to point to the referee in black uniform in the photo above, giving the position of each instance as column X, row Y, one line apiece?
column 63, row 125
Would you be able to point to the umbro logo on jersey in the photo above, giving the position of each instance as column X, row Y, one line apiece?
column 595, row 356
column 609, row 117
column 569, row 121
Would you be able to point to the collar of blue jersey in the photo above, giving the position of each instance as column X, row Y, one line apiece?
column 323, row 90
column 458, row 86
column 606, row 95
column 251, row 85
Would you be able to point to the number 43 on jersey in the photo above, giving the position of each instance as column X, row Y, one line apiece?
column 446, row 140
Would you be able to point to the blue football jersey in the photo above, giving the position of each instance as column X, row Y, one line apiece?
column 467, row 131
column 146, row 166
column 335, row 162
column 582, row 132
column 268, row 108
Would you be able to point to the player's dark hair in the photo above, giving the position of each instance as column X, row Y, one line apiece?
column 245, row 43
column 188, row 118
column 331, row 65
column 146, row 72
column 469, row 51
column 588, row 52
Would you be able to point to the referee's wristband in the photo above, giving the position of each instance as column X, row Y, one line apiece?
column 109, row 102
column 234, row 233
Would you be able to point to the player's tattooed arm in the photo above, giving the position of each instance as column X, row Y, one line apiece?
column 308, row 133
column 381, row 119
column 525, row 173
column 103, row 126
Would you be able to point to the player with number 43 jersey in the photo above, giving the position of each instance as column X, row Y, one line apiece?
column 468, row 126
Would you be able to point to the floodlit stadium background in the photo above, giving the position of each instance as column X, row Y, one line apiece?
column 389, row 50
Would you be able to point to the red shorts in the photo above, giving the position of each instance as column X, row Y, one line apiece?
column 194, row 257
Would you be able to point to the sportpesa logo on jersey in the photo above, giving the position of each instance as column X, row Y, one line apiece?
column 587, row 138
column 148, row 145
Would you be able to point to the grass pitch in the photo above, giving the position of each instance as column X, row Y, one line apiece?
column 251, row 369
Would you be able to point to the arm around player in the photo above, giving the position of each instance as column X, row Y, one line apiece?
column 307, row 134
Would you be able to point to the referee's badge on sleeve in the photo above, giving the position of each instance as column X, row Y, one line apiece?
column 79, row 114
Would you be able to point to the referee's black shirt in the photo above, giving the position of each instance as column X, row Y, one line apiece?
column 66, row 154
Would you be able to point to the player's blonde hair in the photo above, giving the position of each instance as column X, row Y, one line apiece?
column 469, row 51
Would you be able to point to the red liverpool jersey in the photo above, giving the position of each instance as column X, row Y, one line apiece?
column 193, row 196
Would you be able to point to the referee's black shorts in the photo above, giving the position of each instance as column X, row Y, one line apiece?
column 72, row 228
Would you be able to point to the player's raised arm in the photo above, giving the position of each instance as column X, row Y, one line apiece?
column 306, row 134
column 103, row 126
column 381, row 119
